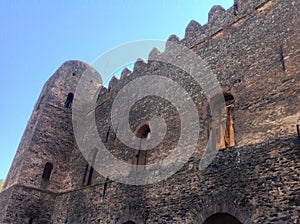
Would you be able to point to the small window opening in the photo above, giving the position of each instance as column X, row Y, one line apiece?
column 30, row 221
column 68, row 103
column 90, row 176
column 47, row 171
column 282, row 58
column 143, row 134
column 73, row 73
column 105, row 187
column 85, row 173
column 129, row 222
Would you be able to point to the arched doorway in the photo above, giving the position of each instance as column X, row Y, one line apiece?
column 222, row 218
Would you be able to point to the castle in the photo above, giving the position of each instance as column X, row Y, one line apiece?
column 254, row 50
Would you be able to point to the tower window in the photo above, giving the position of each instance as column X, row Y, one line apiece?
column 68, row 103
column 47, row 171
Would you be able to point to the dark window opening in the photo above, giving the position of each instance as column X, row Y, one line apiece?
column 30, row 221
column 129, row 222
column 68, row 103
column 143, row 134
column 282, row 58
column 73, row 73
column 47, row 171
column 105, row 187
column 222, row 218
column 85, row 173
column 90, row 176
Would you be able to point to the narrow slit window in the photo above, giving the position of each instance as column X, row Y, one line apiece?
column 90, row 176
column 47, row 171
column 69, row 101
column 105, row 187
column 107, row 135
column 282, row 58
column 85, row 173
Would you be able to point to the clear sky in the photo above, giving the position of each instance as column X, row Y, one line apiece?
column 36, row 37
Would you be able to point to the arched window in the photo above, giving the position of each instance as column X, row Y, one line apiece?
column 143, row 134
column 222, row 218
column 68, row 103
column 47, row 171
column 225, row 138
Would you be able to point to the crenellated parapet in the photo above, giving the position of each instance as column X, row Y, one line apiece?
column 219, row 19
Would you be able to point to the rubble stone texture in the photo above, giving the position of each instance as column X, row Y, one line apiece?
column 254, row 49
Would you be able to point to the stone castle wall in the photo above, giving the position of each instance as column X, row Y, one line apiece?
column 253, row 48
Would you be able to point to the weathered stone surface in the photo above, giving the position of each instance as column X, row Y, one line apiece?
column 255, row 54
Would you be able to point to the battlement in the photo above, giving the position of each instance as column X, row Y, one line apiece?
column 252, row 49
column 219, row 18
column 195, row 33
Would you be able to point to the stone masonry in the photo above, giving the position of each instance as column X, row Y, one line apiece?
column 254, row 49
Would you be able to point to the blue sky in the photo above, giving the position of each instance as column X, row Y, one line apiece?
column 36, row 37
